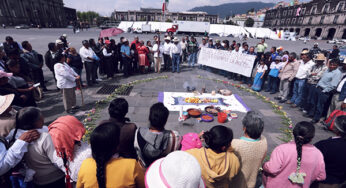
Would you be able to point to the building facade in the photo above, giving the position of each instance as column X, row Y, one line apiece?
column 324, row 19
column 46, row 13
column 149, row 14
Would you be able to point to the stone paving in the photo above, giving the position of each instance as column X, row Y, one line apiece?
column 145, row 94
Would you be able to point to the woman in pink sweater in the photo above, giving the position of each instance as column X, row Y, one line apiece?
column 296, row 163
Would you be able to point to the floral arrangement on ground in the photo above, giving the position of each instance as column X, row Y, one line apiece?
column 286, row 130
column 94, row 114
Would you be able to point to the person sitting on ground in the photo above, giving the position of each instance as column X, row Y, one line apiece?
column 324, row 89
column 67, row 133
column 286, row 75
column 66, row 81
column 7, row 115
column 21, row 99
column 334, row 154
column 154, row 142
column 307, row 168
column 40, row 155
column 117, row 110
column 106, row 168
column 177, row 169
column 218, row 164
column 251, row 150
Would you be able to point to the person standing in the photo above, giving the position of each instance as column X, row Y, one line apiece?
column 261, row 70
column 143, row 56
column 286, row 76
column 166, row 54
column 108, row 60
column 183, row 45
column 115, row 56
column 88, row 58
column 35, row 62
column 49, row 57
column 99, row 63
column 66, row 81
column 335, row 52
column 260, row 48
column 176, row 52
column 75, row 62
column 192, row 48
column 273, row 79
column 303, row 72
column 126, row 57
column 157, row 49
column 150, row 55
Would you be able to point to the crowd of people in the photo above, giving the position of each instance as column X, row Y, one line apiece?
column 120, row 154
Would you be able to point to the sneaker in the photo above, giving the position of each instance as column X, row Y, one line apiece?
column 282, row 101
column 99, row 80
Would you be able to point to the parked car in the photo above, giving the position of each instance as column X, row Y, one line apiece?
column 22, row 26
column 335, row 41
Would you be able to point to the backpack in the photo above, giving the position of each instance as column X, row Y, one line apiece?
column 329, row 122
column 5, row 178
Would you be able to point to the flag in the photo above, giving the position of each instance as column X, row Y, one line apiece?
column 298, row 11
column 163, row 7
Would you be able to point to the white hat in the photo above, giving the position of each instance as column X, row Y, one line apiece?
column 315, row 43
column 58, row 42
column 125, row 40
column 5, row 102
column 168, row 38
column 176, row 170
column 64, row 35
column 344, row 61
column 175, row 39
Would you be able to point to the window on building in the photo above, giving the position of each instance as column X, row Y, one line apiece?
column 300, row 20
column 288, row 21
column 290, row 12
column 283, row 21
column 285, row 13
column 325, row 8
column 278, row 14
column 313, row 10
column 322, row 19
column 341, row 6
column 310, row 20
column 303, row 11
column 336, row 17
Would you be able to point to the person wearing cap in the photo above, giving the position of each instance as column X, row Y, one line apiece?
column 334, row 154
column 273, row 78
column 126, row 57
column 315, row 75
column 35, row 62
column 60, row 46
column 305, row 66
column 157, row 49
column 218, row 45
column 315, row 50
column 218, row 164
column 280, row 51
column 176, row 52
column 66, row 81
column 323, row 91
column 177, row 169
column 286, row 75
column 108, row 59
column 192, row 48
column 21, row 98
column 167, row 60
column 251, row 150
column 88, row 58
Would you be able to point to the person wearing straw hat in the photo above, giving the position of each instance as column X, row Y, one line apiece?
column 303, row 72
column 334, row 154
column 315, row 75
column 178, row 169
column 7, row 115
column 175, row 53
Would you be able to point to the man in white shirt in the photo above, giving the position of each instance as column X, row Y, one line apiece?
column 10, row 157
column 175, row 53
column 88, row 58
column 157, row 49
column 303, row 72
column 166, row 54
column 183, row 45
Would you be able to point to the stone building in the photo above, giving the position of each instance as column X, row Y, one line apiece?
column 324, row 19
column 46, row 13
column 150, row 14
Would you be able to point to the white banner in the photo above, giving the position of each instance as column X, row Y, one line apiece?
column 229, row 61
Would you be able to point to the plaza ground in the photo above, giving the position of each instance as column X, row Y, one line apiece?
column 144, row 95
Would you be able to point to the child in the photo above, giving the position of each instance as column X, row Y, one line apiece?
column 261, row 69
column 273, row 79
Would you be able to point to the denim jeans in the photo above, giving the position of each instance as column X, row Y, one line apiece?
column 175, row 62
column 298, row 91
column 192, row 59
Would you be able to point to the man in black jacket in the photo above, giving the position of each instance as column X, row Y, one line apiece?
column 49, row 57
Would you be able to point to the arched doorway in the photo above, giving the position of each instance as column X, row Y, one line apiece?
column 344, row 35
column 331, row 33
column 318, row 32
column 291, row 30
column 298, row 31
column 307, row 32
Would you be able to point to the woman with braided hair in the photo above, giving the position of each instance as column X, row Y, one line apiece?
column 297, row 163
column 106, row 168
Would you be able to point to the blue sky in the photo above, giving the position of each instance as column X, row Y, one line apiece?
column 105, row 7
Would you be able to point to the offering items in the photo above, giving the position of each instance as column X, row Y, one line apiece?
column 212, row 110
column 193, row 112
column 197, row 100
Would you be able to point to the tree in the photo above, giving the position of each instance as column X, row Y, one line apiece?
column 169, row 20
column 249, row 22
column 89, row 16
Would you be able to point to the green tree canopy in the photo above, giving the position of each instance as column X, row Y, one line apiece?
column 249, row 22
column 87, row 16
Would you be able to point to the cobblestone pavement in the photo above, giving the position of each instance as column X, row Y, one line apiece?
column 145, row 94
